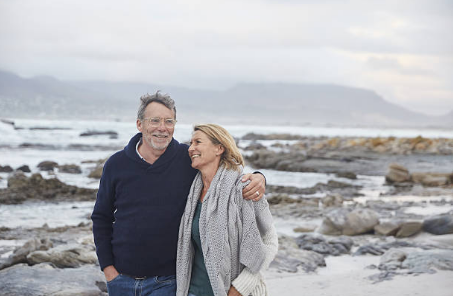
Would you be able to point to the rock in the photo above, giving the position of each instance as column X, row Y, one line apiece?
column 281, row 199
column 347, row 175
column 255, row 146
column 287, row 161
column 44, row 280
column 17, row 180
column 387, row 228
column 69, row 169
column 305, row 228
column 9, row 122
column 333, row 200
column 397, row 174
column 20, row 254
column 6, row 169
column 24, row 168
column 409, row 228
column 341, row 221
column 64, row 256
column 96, row 173
column 381, row 248
column 431, row 179
column 425, row 261
column 111, row 134
column 20, row 188
column 392, row 259
column 47, row 165
column 319, row 244
column 290, row 260
column 440, row 224
column 336, row 184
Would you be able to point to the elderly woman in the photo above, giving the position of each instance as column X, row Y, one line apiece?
column 224, row 241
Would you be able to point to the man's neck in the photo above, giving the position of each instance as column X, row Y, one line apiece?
column 149, row 154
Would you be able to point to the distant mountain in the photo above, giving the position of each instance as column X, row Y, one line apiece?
column 260, row 103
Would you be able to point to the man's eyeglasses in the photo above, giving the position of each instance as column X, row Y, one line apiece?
column 155, row 121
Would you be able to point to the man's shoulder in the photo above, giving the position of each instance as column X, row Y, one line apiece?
column 180, row 147
column 116, row 158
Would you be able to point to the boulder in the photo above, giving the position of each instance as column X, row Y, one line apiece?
column 431, row 179
column 291, row 260
column 341, row 221
column 439, row 224
column 96, row 173
column 305, row 228
column 63, row 256
column 47, row 165
column 69, row 169
column 392, row 259
column 347, row 175
column 17, row 180
column 333, row 200
column 387, row 228
column 20, row 254
column 397, row 174
column 409, row 228
column 6, row 169
column 321, row 245
column 282, row 199
column 43, row 280
column 425, row 261
column 24, row 168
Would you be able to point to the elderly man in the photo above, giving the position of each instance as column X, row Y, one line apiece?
column 141, row 198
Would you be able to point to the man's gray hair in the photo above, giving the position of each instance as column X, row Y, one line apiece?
column 147, row 99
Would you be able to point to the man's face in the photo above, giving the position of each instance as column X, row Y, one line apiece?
column 159, row 137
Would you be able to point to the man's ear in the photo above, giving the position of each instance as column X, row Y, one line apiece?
column 139, row 125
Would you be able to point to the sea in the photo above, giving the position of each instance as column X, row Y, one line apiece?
column 30, row 141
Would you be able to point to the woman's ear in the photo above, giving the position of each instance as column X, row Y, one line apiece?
column 220, row 150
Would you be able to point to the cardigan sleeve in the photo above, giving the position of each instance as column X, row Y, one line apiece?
column 260, row 236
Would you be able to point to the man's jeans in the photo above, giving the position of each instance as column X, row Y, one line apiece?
column 124, row 285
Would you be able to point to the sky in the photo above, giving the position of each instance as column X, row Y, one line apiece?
column 401, row 49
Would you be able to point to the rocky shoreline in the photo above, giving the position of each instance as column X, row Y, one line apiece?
column 335, row 218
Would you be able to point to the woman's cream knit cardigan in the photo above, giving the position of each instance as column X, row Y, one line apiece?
column 237, row 236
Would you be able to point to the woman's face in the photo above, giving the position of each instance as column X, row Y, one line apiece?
column 203, row 152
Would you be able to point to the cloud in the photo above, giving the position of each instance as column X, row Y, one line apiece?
column 215, row 44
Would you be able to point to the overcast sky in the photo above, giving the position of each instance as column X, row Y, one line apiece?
column 402, row 49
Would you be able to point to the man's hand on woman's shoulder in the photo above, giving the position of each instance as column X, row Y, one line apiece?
column 255, row 190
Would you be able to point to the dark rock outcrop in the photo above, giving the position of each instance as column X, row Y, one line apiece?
column 24, row 168
column 440, row 224
column 47, row 165
column 6, row 169
column 21, row 188
column 69, row 169
column 317, row 243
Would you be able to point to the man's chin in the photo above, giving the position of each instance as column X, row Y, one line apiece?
column 160, row 146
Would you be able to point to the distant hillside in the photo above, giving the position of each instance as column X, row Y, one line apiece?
column 266, row 103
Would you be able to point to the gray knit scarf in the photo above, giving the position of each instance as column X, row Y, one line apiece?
column 229, row 235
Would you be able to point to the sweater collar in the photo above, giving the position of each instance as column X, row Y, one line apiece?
column 132, row 152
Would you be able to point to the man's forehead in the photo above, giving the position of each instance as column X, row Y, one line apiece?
column 156, row 106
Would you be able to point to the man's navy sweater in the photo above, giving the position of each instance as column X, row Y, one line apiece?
column 138, row 210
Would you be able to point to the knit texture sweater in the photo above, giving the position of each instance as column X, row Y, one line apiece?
column 238, row 238
column 138, row 210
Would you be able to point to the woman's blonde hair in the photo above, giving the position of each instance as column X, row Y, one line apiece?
column 231, row 157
